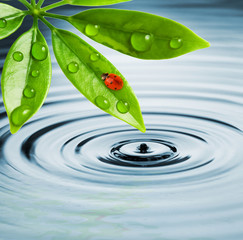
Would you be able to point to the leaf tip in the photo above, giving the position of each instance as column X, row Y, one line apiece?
column 203, row 43
column 206, row 44
column 13, row 129
column 143, row 130
column 141, row 127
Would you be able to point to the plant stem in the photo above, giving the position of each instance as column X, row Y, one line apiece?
column 35, row 26
column 54, row 5
column 47, row 23
column 52, row 15
column 35, row 23
column 33, row 3
column 24, row 2
column 39, row 4
column 23, row 13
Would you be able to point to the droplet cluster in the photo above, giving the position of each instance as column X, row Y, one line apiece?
column 39, row 52
column 103, row 103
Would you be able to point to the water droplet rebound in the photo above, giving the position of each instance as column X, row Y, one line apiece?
column 29, row 92
column 141, row 42
column 18, row 56
column 20, row 115
column 94, row 57
column 73, row 67
column 92, row 30
column 3, row 23
column 35, row 73
column 122, row 106
column 102, row 102
column 39, row 51
column 176, row 43
column 143, row 148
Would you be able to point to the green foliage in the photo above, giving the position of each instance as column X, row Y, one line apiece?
column 132, row 33
column 10, row 19
column 94, row 2
column 26, row 73
column 26, row 77
column 83, row 66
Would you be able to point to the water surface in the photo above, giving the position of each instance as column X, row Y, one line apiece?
column 74, row 172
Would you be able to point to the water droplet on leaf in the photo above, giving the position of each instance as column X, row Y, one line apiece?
column 94, row 57
column 176, row 43
column 18, row 56
column 39, row 51
column 141, row 42
column 29, row 92
column 73, row 67
column 122, row 106
column 35, row 73
column 3, row 23
column 102, row 102
column 20, row 115
column 92, row 30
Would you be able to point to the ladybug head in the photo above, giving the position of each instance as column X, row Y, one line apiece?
column 104, row 76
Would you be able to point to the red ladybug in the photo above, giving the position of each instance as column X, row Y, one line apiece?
column 112, row 81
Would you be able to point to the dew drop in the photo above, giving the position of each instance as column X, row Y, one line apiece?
column 141, row 42
column 102, row 102
column 18, row 56
column 73, row 67
column 92, row 30
column 39, row 51
column 3, row 23
column 176, row 43
column 122, row 106
column 20, row 115
column 35, row 73
column 29, row 92
column 94, row 57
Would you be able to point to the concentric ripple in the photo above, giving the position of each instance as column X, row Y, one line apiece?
column 72, row 152
column 176, row 149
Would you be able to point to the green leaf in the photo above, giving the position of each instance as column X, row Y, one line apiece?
column 83, row 66
column 10, row 19
column 141, row 35
column 26, row 77
column 94, row 2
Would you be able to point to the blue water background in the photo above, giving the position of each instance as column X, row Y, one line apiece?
column 59, row 179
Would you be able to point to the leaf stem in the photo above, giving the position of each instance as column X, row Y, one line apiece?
column 48, row 24
column 23, row 13
column 39, row 4
column 35, row 23
column 54, row 5
column 24, row 2
column 52, row 15
column 35, row 27
column 33, row 3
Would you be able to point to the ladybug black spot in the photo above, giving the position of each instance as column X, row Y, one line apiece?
column 111, row 82
column 115, row 88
